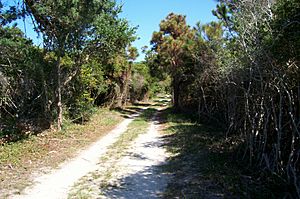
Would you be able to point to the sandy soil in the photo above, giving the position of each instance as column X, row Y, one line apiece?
column 138, row 175
column 57, row 183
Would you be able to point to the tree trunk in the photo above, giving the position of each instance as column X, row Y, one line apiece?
column 176, row 92
column 126, row 86
column 119, row 95
column 59, row 102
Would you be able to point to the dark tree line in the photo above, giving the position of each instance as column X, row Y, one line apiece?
column 241, row 73
column 86, row 60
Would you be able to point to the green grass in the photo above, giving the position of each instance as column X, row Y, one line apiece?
column 18, row 160
column 101, row 179
column 205, row 164
column 138, row 126
column 201, row 163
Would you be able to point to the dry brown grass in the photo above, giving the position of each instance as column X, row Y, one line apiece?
column 20, row 160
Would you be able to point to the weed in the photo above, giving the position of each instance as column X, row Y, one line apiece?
column 18, row 160
column 102, row 179
column 204, row 164
column 199, row 170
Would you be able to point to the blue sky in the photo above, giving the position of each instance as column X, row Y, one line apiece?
column 147, row 14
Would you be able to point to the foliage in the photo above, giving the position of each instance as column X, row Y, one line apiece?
column 172, row 43
column 243, row 74
column 79, row 29
column 73, row 71
column 160, row 80
column 262, row 99
column 141, row 80
column 22, row 77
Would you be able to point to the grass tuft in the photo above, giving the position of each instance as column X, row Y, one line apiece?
column 96, row 182
column 19, row 160
column 201, row 163
column 204, row 163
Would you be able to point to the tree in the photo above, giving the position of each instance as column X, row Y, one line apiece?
column 140, row 82
column 132, row 54
column 77, row 28
column 261, row 65
column 22, row 77
column 172, row 42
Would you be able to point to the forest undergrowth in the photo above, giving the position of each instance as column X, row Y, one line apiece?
column 20, row 160
column 204, row 164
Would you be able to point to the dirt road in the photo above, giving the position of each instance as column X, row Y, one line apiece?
column 137, row 175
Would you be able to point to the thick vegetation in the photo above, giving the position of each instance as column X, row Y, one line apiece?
column 242, row 73
column 86, row 60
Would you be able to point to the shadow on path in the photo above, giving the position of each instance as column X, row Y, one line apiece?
column 144, row 184
column 142, row 175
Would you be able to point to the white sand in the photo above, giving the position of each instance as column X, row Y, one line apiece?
column 57, row 183
column 139, row 175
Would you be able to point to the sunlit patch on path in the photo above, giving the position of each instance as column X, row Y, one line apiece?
column 140, row 175
column 57, row 184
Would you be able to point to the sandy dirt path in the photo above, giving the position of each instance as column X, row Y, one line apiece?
column 57, row 183
column 139, row 174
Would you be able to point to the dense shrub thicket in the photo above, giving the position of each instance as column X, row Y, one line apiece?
column 86, row 60
column 243, row 74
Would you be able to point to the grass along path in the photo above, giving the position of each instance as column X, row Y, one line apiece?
column 22, row 161
column 57, row 183
column 203, row 164
column 193, row 163
column 130, row 167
